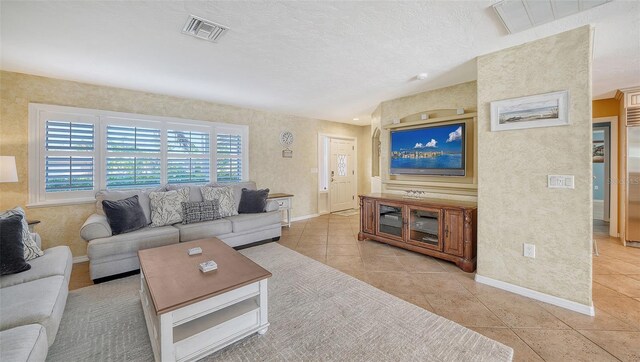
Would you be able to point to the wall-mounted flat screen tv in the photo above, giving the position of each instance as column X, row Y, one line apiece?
column 432, row 150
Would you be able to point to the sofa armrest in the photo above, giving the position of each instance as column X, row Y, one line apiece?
column 37, row 239
column 95, row 227
column 272, row 205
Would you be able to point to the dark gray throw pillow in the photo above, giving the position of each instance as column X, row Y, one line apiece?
column 124, row 215
column 253, row 201
column 198, row 211
column 11, row 246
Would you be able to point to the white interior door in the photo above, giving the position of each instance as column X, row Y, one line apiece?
column 342, row 174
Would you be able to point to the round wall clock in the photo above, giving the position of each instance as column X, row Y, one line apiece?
column 286, row 138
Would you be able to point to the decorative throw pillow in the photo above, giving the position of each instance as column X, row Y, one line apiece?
column 124, row 215
column 166, row 207
column 253, row 201
column 31, row 249
column 197, row 211
column 11, row 246
column 225, row 197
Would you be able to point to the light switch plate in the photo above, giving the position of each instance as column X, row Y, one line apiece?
column 560, row 181
column 529, row 250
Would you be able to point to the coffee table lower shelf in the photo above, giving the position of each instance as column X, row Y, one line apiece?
column 199, row 329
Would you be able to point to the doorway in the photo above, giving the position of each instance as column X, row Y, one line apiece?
column 342, row 174
column 601, row 164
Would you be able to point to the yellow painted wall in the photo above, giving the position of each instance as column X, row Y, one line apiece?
column 60, row 225
column 609, row 107
column 514, row 204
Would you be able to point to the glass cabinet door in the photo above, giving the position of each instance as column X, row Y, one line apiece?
column 390, row 220
column 424, row 228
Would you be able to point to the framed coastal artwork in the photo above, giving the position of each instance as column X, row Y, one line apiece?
column 541, row 110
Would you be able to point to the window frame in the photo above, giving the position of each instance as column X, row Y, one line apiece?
column 38, row 114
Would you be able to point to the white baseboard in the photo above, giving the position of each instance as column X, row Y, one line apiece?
column 559, row 302
column 80, row 259
column 304, row 217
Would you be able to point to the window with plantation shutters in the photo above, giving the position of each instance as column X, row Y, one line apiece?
column 188, row 157
column 69, row 155
column 133, row 157
column 74, row 152
column 229, row 153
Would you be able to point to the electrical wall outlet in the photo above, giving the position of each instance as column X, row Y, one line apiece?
column 529, row 250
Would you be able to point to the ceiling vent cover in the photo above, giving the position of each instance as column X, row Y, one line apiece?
column 204, row 29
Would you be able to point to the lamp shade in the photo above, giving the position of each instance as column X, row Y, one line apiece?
column 8, row 171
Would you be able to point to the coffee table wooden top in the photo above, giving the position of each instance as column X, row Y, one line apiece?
column 175, row 280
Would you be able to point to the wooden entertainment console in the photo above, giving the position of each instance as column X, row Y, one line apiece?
column 444, row 229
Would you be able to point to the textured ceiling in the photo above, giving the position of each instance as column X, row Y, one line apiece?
column 326, row 60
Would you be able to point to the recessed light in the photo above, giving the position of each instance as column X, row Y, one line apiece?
column 422, row 76
column 356, row 119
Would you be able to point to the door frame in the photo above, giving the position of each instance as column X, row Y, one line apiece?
column 614, row 160
column 325, row 195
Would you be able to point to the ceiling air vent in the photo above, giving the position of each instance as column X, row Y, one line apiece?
column 204, row 29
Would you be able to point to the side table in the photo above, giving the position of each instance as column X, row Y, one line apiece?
column 284, row 204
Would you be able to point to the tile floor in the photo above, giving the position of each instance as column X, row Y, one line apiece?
column 535, row 330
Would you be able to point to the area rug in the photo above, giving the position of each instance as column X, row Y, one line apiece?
column 317, row 313
column 350, row 212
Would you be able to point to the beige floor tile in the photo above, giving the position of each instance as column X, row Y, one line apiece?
column 288, row 242
column 521, row 351
column 623, row 345
column 341, row 232
column 449, row 266
column 625, row 309
column 634, row 276
column 418, row 263
column 341, row 249
column 314, row 232
column 80, row 276
column 342, row 240
column 416, row 299
column 519, row 312
column 600, row 291
column 382, row 263
column 434, row 283
column 375, row 249
column 312, row 250
column 563, row 345
column 345, row 262
column 391, row 282
column 620, row 283
column 601, row 321
column 463, row 307
column 312, row 240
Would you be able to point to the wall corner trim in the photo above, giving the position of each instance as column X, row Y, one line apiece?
column 559, row 302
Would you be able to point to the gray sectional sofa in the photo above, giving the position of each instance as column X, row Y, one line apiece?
column 31, row 305
column 115, row 254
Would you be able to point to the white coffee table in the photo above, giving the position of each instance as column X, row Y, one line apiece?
column 191, row 314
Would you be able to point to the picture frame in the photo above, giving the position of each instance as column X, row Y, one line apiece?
column 598, row 151
column 540, row 110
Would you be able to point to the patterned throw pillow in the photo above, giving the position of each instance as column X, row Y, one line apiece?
column 166, row 207
column 197, row 211
column 31, row 249
column 225, row 197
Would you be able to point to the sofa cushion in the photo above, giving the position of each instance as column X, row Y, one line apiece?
column 25, row 343
column 113, row 195
column 55, row 261
column 237, row 188
column 31, row 249
column 39, row 301
column 130, row 243
column 124, row 215
column 11, row 246
column 194, row 190
column 253, row 201
column 245, row 222
column 95, row 227
column 203, row 230
column 199, row 211
column 224, row 196
column 166, row 207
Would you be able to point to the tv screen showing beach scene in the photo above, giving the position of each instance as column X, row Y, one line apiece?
column 436, row 150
